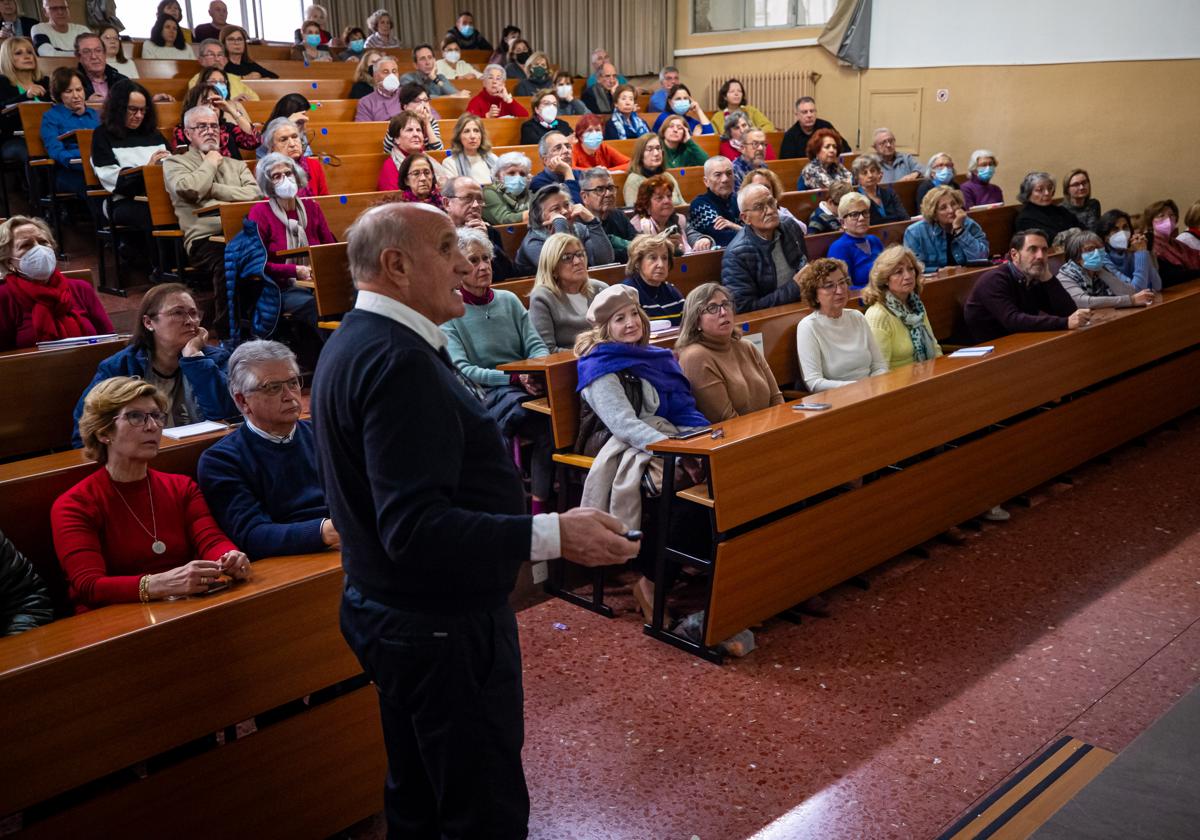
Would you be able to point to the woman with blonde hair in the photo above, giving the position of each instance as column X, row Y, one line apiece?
column 20, row 81
column 364, row 80
column 128, row 533
column 562, row 292
column 895, row 313
column 946, row 235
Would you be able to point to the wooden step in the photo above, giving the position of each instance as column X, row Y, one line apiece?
column 581, row 462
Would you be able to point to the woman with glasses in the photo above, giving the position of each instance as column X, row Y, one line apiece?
column 562, row 292
column 651, row 257
column 855, row 247
column 653, row 212
column 647, row 161
column 170, row 350
column 834, row 344
column 128, row 533
column 729, row 376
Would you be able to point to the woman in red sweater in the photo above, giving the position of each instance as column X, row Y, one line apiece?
column 495, row 100
column 126, row 532
column 591, row 150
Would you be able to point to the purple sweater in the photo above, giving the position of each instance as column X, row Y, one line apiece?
column 274, row 236
column 375, row 107
column 975, row 192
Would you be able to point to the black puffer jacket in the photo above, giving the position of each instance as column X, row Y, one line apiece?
column 24, row 601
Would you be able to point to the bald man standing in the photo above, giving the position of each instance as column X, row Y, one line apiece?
column 434, row 528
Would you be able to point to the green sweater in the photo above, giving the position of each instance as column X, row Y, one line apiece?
column 489, row 335
column 689, row 154
column 500, row 208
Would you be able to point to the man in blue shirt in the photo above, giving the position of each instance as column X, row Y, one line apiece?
column 668, row 77
column 555, row 151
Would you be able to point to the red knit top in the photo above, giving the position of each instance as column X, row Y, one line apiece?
column 104, row 551
column 482, row 102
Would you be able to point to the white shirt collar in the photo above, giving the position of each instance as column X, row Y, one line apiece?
column 402, row 314
column 268, row 436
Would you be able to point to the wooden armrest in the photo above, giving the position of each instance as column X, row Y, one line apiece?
column 570, row 459
column 306, row 284
column 168, row 234
column 67, row 135
column 697, row 494
column 98, row 193
column 292, row 252
column 41, row 162
column 210, row 210
column 540, row 405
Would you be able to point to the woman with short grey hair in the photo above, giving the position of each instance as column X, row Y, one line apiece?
column 1038, row 209
column 284, row 137
column 978, row 188
column 1091, row 280
column 506, row 198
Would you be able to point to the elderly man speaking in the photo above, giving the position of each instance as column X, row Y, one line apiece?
column 434, row 529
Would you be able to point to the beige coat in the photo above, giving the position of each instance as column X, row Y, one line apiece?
column 193, row 182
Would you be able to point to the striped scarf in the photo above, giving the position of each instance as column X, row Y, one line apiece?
column 634, row 127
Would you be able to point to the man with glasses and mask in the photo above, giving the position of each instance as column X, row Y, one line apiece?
column 56, row 39
column 760, row 265
column 600, row 196
column 212, row 54
column 261, row 481
column 464, row 206
column 199, row 177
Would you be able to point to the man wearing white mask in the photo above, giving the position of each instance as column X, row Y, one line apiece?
column 383, row 103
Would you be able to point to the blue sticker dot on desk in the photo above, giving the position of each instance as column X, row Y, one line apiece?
column 324, row 130
column 746, row 327
column 683, row 268
column 510, row 229
column 314, row 85
column 449, row 153
column 343, row 199
column 682, row 173
column 326, row 159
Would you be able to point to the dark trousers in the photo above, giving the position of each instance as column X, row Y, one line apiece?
column 208, row 259
column 452, row 708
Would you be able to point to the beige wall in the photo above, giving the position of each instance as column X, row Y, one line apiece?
column 1132, row 124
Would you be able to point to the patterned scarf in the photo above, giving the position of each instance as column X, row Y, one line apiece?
column 635, row 126
column 434, row 198
column 53, row 310
column 1092, row 282
column 913, row 317
column 297, row 236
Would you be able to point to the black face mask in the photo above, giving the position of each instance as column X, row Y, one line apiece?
column 520, row 57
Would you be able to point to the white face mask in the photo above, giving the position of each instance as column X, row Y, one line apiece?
column 564, row 91
column 549, row 113
column 38, row 262
column 452, row 56
column 287, row 188
column 391, row 83
column 1119, row 240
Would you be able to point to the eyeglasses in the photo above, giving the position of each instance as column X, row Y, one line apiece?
column 423, row 100
column 181, row 314
column 754, row 144
column 137, row 419
column 134, row 109
column 469, row 200
column 763, row 206
column 857, row 214
column 423, row 174
column 834, row 285
column 206, row 127
column 609, row 190
column 211, row 54
column 274, row 389
column 573, row 256
column 717, row 308
column 94, row 51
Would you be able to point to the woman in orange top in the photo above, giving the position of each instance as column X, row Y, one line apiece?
column 591, row 150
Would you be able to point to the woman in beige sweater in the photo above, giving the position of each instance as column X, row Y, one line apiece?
column 729, row 376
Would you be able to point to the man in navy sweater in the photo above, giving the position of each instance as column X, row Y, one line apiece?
column 261, row 481
column 434, row 529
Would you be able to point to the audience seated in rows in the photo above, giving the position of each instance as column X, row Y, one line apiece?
column 895, row 313
column 897, row 166
column 761, row 263
column 946, row 235
column 544, row 120
column 1088, row 279
column 978, row 188
column 941, row 174
column 463, row 199
column 1177, row 261
column 680, row 102
column 625, row 123
column 796, row 139
column 236, row 130
column 731, row 98
column 506, row 198
column 1128, row 251
column 715, row 213
column 590, row 149
column 600, row 197
column 856, row 248
column 494, row 100
column 555, row 151
column 261, row 479
column 68, row 113
column 24, row 599
column 553, row 210
column 169, row 349
column 651, row 258
column 471, row 149
column 127, row 532
column 824, row 165
column 647, row 161
column 37, row 303
column 654, row 212
column 562, row 292
column 1038, row 208
column 212, row 54
column 495, row 329
column 834, row 343
column 885, row 204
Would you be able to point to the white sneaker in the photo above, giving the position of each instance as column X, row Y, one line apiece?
column 997, row 514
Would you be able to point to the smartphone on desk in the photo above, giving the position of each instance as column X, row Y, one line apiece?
column 807, row 406
column 690, row 434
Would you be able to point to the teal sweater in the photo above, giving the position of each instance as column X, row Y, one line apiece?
column 491, row 334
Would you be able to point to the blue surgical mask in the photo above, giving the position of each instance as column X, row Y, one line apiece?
column 222, row 89
column 357, row 45
column 467, row 30
column 313, row 39
column 1093, row 260
column 681, row 106
column 943, row 175
column 985, row 173
column 592, row 140
column 515, row 184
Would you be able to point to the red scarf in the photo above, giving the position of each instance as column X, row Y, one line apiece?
column 434, row 198
column 55, row 313
column 475, row 300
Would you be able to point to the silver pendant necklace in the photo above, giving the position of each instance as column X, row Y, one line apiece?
column 158, row 546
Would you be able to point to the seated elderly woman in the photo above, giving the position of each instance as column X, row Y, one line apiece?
column 647, row 161
column 407, row 132
column 680, row 102
column 679, row 149
column 732, row 137
column 506, row 198
column 895, row 312
column 544, row 120
column 824, row 217
column 471, row 150
column 494, row 329
column 946, row 235
column 825, row 165
column 286, row 222
column 551, row 211
column 855, row 247
column 382, row 36
column 418, row 183
column 651, row 258
column 282, row 136
column 639, row 395
column 1086, row 275
column 170, row 350
column 834, row 344
column 261, row 479
column 68, row 113
column 625, row 122
column 1128, row 252
column 729, row 376
column 654, row 212
column 562, row 292
column 1077, row 197
column 885, row 204
column 1177, row 262
column 37, row 303
column 1038, row 210
column 590, row 150
column 128, row 533
column 296, row 109
column 1191, row 220
column 978, row 188
column 537, row 74
column 494, row 100
column 731, row 98
column 940, row 174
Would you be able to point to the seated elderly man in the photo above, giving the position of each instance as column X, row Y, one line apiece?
column 383, row 102
column 599, row 58
column 199, row 177
column 98, row 75
column 897, row 166
column 261, row 481
column 760, row 267
column 715, row 214
column 555, row 151
column 668, row 77
column 795, row 139
column 427, row 76
column 753, row 156
column 1021, row 295
column 600, row 98
column 212, row 54
column 464, row 205
column 600, row 197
